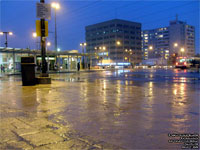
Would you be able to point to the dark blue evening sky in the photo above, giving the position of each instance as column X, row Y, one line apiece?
column 19, row 17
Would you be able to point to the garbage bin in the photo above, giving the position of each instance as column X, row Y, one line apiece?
column 28, row 71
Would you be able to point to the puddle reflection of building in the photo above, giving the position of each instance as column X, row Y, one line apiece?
column 118, row 93
column 149, row 105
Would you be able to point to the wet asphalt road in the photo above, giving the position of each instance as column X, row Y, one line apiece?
column 128, row 109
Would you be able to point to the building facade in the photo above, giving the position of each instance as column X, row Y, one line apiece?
column 176, row 39
column 155, row 43
column 115, row 42
column 10, row 59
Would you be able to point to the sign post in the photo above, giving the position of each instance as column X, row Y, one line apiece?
column 43, row 12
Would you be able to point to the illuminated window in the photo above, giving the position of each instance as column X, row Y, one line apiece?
column 161, row 36
column 145, row 34
column 145, row 38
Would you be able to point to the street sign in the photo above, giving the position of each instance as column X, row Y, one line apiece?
column 43, row 11
column 38, row 28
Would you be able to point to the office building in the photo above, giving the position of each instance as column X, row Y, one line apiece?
column 115, row 42
column 176, row 39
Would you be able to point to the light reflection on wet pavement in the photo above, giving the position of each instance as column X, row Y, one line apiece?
column 131, row 110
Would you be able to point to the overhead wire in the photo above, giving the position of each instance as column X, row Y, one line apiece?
column 165, row 10
column 156, row 12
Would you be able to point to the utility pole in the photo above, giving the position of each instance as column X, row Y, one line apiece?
column 43, row 47
column 56, row 47
column 6, row 43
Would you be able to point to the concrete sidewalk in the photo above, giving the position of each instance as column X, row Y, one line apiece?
column 30, row 120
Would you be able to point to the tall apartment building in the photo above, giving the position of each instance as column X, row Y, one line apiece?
column 116, row 42
column 178, row 38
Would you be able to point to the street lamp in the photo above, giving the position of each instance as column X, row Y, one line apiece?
column 83, row 45
column 118, row 43
column 175, row 44
column 56, row 6
column 48, row 43
column 150, row 47
column 10, row 33
column 182, row 50
column 34, row 34
column 6, row 34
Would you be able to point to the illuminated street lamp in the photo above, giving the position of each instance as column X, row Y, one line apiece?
column 56, row 6
column 48, row 43
column 10, row 33
column 150, row 47
column 182, row 50
column 175, row 44
column 34, row 34
column 118, row 43
column 6, row 34
column 83, row 45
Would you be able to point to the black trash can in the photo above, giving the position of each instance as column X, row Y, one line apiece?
column 28, row 71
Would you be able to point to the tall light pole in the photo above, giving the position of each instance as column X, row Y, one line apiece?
column 56, row 6
column 118, row 44
column 34, row 34
column 6, row 36
column 176, row 45
column 83, row 45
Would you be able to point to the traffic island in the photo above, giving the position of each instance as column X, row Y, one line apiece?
column 28, row 73
column 43, row 79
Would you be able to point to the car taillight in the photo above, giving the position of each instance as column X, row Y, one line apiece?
column 185, row 63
